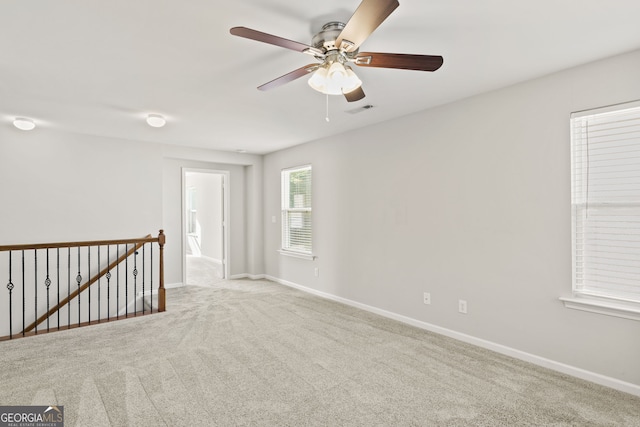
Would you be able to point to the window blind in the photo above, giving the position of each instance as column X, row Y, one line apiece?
column 296, row 209
column 606, row 202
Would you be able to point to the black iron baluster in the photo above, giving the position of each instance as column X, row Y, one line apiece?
column 99, row 284
column 126, row 281
column 58, row 280
column 108, row 283
column 78, row 280
column 89, row 280
column 143, row 265
column 47, row 283
column 35, row 303
column 151, row 284
column 69, row 287
column 10, row 287
column 118, row 282
column 135, row 282
column 24, row 302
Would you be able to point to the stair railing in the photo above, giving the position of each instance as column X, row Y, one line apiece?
column 119, row 273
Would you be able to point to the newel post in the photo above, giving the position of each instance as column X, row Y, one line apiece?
column 161, row 290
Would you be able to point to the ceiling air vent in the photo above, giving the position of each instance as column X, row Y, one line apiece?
column 360, row 109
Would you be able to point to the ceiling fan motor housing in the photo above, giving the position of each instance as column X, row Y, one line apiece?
column 326, row 38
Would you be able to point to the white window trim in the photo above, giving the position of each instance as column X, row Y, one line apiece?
column 609, row 308
column 588, row 302
column 289, row 252
column 294, row 254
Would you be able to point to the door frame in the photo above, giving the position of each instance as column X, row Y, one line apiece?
column 226, row 217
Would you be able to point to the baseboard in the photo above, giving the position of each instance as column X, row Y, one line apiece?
column 249, row 276
column 498, row 348
column 173, row 285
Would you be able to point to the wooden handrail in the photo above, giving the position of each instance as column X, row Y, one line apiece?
column 28, row 246
column 141, row 242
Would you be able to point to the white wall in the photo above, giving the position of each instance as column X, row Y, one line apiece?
column 66, row 187
column 467, row 201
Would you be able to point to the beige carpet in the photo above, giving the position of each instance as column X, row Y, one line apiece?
column 254, row 353
column 203, row 271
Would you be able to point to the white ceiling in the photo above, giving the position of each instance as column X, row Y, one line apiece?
column 98, row 68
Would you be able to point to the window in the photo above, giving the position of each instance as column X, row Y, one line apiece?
column 605, row 190
column 296, row 211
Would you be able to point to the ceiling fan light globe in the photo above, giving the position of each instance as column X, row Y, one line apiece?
column 318, row 80
column 337, row 72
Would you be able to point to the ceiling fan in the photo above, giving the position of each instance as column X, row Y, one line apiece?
column 337, row 45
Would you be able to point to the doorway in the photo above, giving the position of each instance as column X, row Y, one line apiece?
column 205, row 226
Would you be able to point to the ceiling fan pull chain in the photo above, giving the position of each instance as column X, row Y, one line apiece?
column 327, row 117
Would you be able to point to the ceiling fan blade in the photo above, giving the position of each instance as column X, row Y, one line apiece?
column 248, row 33
column 369, row 15
column 355, row 95
column 295, row 74
column 399, row 60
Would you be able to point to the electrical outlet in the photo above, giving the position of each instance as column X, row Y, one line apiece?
column 273, row 219
column 462, row 306
column 316, row 272
column 426, row 298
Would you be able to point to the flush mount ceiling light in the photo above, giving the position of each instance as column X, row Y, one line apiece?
column 156, row 120
column 24, row 124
